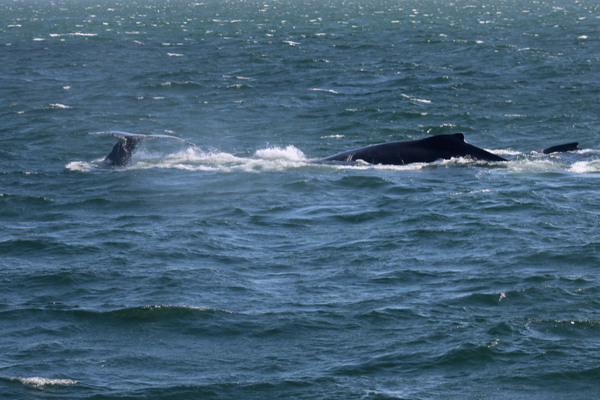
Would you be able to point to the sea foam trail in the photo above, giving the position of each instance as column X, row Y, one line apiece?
column 585, row 167
column 272, row 158
column 193, row 159
column 38, row 382
column 290, row 153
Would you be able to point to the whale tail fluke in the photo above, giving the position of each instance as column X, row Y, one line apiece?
column 123, row 150
column 561, row 148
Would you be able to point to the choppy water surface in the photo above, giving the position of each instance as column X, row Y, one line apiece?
column 241, row 268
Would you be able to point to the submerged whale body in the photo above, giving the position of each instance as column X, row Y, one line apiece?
column 123, row 150
column 417, row 151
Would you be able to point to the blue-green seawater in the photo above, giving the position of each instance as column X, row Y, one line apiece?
column 241, row 269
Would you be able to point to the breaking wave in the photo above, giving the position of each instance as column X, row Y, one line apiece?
column 38, row 382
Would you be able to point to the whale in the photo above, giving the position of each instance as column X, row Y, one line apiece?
column 561, row 148
column 123, row 151
column 427, row 150
column 430, row 149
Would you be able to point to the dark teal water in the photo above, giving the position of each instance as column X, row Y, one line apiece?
column 243, row 270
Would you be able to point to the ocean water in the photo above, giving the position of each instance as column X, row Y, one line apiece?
column 242, row 269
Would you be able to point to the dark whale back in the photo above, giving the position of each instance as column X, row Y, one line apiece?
column 561, row 148
column 417, row 151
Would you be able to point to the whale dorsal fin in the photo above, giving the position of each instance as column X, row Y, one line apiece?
column 459, row 136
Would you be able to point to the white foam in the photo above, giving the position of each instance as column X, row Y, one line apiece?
column 58, row 105
column 41, row 382
column 361, row 165
column 194, row 159
column 80, row 166
column 585, row 167
column 323, row 90
column 290, row 153
column 455, row 161
column 417, row 100
column 534, row 165
column 505, row 152
column 191, row 155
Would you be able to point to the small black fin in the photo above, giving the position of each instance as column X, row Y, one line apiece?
column 459, row 135
column 561, row 148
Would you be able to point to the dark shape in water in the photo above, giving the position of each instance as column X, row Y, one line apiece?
column 417, row 151
column 427, row 150
column 123, row 150
column 561, row 148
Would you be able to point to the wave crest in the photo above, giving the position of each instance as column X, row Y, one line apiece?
column 38, row 382
column 290, row 153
